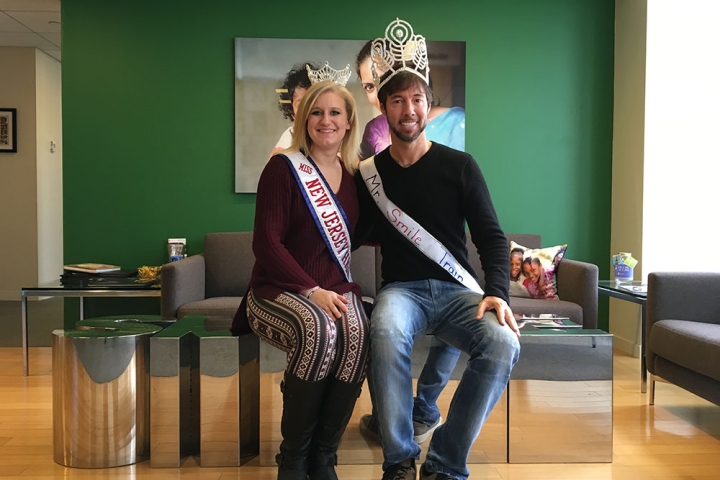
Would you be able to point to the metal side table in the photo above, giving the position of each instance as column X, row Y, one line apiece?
column 101, row 394
column 615, row 290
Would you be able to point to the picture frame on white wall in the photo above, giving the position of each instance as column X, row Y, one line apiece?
column 8, row 130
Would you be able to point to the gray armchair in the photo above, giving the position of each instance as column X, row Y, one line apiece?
column 577, row 285
column 209, row 283
column 214, row 282
column 683, row 332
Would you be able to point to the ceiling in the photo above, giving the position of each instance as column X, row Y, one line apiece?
column 31, row 23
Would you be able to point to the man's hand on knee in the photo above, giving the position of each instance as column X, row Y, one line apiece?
column 502, row 311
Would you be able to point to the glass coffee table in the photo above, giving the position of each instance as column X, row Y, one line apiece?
column 57, row 289
column 634, row 293
column 534, row 322
column 560, row 400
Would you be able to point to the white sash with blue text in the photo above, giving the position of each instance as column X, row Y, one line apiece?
column 413, row 231
column 325, row 209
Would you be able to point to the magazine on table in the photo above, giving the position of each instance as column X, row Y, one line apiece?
column 544, row 320
column 641, row 289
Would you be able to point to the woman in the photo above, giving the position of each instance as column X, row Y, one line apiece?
column 301, row 299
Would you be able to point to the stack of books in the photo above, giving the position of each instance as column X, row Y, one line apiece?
column 98, row 275
column 92, row 268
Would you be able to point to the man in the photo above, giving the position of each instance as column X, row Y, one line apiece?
column 419, row 195
column 442, row 358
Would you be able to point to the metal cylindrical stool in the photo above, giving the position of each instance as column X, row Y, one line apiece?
column 101, row 395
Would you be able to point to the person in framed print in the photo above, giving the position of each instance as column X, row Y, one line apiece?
column 445, row 125
column 301, row 297
column 291, row 92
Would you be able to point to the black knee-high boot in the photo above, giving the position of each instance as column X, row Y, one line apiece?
column 338, row 405
column 302, row 401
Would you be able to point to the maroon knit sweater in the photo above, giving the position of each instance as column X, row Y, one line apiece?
column 290, row 254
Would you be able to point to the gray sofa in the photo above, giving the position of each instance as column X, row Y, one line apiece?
column 683, row 332
column 213, row 282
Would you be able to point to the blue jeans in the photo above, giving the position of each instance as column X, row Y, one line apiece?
column 440, row 363
column 447, row 310
column 436, row 372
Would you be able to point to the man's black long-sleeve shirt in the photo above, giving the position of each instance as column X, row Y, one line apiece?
column 442, row 191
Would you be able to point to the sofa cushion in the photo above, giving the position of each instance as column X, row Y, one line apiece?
column 216, row 306
column 693, row 345
column 535, row 270
column 363, row 269
column 529, row 239
column 228, row 263
column 535, row 306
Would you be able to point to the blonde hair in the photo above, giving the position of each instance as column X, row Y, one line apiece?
column 301, row 138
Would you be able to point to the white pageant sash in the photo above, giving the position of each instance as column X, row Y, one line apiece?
column 413, row 231
column 325, row 209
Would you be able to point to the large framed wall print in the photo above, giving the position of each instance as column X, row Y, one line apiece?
column 266, row 67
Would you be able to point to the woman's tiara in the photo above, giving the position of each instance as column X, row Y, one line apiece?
column 340, row 77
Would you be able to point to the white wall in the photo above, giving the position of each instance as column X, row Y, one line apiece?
column 49, row 168
column 31, row 228
column 628, row 149
column 666, row 152
column 18, row 189
column 682, row 136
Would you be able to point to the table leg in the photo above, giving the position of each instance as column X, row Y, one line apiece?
column 643, row 340
column 82, row 308
column 23, row 314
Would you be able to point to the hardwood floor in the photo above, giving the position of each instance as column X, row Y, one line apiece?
column 678, row 438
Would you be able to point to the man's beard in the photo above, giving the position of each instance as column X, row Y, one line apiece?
column 408, row 138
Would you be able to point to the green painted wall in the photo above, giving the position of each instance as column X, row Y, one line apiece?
column 148, row 113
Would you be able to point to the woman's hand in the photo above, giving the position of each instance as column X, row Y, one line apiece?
column 331, row 302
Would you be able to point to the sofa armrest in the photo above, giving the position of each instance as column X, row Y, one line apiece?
column 182, row 282
column 577, row 282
